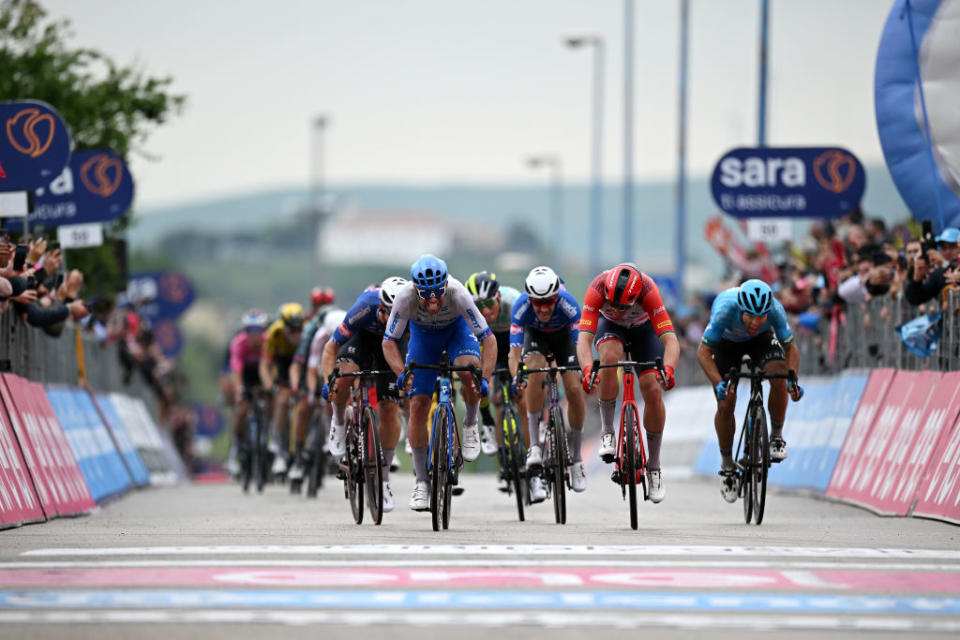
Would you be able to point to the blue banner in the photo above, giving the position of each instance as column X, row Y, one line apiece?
column 209, row 420
column 168, row 337
column 802, row 182
column 34, row 145
column 96, row 454
column 133, row 460
column 95, row 186
column 160, row 295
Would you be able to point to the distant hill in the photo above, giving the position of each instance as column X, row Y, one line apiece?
column 478, row 206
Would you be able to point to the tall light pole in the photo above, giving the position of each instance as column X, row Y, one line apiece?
column 762, row 89
column 318, row 128
column 628, row 131
column 596, row 155
column 555, row 165
column 681, row 248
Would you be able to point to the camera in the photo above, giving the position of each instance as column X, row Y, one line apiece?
column 927, row 240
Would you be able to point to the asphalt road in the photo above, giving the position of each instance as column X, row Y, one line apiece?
column 206, row 560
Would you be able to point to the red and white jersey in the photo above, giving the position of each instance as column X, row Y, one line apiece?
column 647, row 308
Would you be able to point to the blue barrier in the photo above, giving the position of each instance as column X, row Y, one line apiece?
column 815, row 430
column 96, row 454
column 135, row 465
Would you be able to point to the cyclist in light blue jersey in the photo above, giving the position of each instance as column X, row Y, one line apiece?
column 747, row 320
column 442, row 317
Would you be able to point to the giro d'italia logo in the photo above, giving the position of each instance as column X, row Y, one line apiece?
column 102, row 175
column 31, row 132
column 835, row 170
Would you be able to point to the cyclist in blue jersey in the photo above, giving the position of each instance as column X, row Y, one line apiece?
column 544, row 327
column 358, row 344
column 747, row 320
column 442, row 317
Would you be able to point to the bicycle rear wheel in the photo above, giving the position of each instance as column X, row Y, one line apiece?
column 630, row 461
column 438, row 469
column 354, row 473
column 761, row 460
column 318, row 455
column 513, row 455
column 261, row 467
column 557, row 475
column 372, row 464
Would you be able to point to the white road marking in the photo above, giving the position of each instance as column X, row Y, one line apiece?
column 507, row 550
column 482, row 562
column 552, row 619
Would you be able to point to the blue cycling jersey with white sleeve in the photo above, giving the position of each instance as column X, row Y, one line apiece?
column 458, row 306
column 566, row 314
column 726, row 321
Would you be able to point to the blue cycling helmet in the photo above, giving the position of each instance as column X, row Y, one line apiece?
column 429, row 273
column 755, row 297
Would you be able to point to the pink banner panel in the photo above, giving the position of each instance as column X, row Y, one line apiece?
column 939, row 494
column 48, row 456
column 19, row 503
column 895, row 428
column 859, row 433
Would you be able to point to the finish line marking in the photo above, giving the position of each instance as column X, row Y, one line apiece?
column 513, row 600
column 508, row 550
column 493, row 619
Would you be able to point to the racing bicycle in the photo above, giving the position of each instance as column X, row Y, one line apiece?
column 512, row 456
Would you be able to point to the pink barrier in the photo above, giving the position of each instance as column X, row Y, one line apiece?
column 939, row 494
column 48, row 456
column 859, row 433
column 18, row 500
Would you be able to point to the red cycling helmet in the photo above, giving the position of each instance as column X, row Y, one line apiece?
column 623, row 285
column 321, row 295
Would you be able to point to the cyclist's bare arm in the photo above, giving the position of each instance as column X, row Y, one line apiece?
column 585, row 348
column 312, row 381
column 705, row 358
column 391, row 353
column 266, row 375
column 513, row 360
column 295, row 370
column 488, row 355
column 329, row 358
column 671, row 349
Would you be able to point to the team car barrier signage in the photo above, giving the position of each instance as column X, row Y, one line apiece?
column 19, row 503
column 799, row 182
column 145, row 437
column 34, row 145
column 48, row 456
column 96, row 454
column 939, row 491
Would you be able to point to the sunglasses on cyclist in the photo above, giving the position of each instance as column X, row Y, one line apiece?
column 254, row 329
column 621, row 307
column 486, row 304
column 543, row 302
column 432, row 293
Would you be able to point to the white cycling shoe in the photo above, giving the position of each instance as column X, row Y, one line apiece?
column 387, row 497
column 488, row 440
column 728, row 486
column 470, row 447
column 578, row 477
column 655, row 490
column 337, row 442
column 279, row 465
column 538, row 493
column 608, row 448
column 778, row 449
column 420, row 498
column 534, row 457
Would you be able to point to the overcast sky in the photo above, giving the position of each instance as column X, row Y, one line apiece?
column 450, row 91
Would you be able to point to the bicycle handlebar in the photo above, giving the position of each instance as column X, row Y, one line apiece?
column 444, row 368
column 736, row 373
column 654, row 364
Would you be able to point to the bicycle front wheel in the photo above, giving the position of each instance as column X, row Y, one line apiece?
column 513, row 455
column 318, row 456
column 746, row 470
column 354, row 474
column 761, row 460
column 438, row 470
column 630, row 461
column 261, row 458
column 372, row 464
column 558, row 473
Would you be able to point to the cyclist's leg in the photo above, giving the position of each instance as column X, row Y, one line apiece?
column 347, row 362
column 533, row 394
column 564, row 350
column 424, row 347
column 727, row 355
column 609, row 342
column 769, row 353
column 645, row 346
column 387, row 395
column 464, row 350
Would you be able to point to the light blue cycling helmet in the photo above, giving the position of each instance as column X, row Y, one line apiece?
column 429, row 273
column 755, row 297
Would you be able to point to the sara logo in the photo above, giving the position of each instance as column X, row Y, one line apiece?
column 173, row 287
column 102, row 174
column 31, row 132
column 835, row 170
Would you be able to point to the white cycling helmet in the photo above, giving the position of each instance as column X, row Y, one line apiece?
column 389, row 289
column 542, row 283
column 332, row 320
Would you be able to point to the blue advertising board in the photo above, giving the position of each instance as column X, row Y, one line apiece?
column 799, row 182
column 160, row 295
column 209, row 420
column 138, row 470
column 34, row 145
column 95, row 186
column 168, row 336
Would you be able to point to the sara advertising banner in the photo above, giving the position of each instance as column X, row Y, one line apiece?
column 95, row 186
column 34, row 145
column 800, row 182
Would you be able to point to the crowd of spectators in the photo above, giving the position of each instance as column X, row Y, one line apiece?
column 837, row 267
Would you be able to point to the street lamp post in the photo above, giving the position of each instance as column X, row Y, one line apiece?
column 628, row 131
column 554, row 164
column 596, row 155
column 318, row 127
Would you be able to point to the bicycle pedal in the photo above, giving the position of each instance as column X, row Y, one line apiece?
column 616, row 477
column 341, row 474
column 457, row 491
column 608, row 458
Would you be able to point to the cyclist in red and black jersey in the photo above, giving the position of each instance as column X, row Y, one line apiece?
column 624, row 314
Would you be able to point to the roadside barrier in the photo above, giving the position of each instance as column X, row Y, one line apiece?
column 19, row 503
